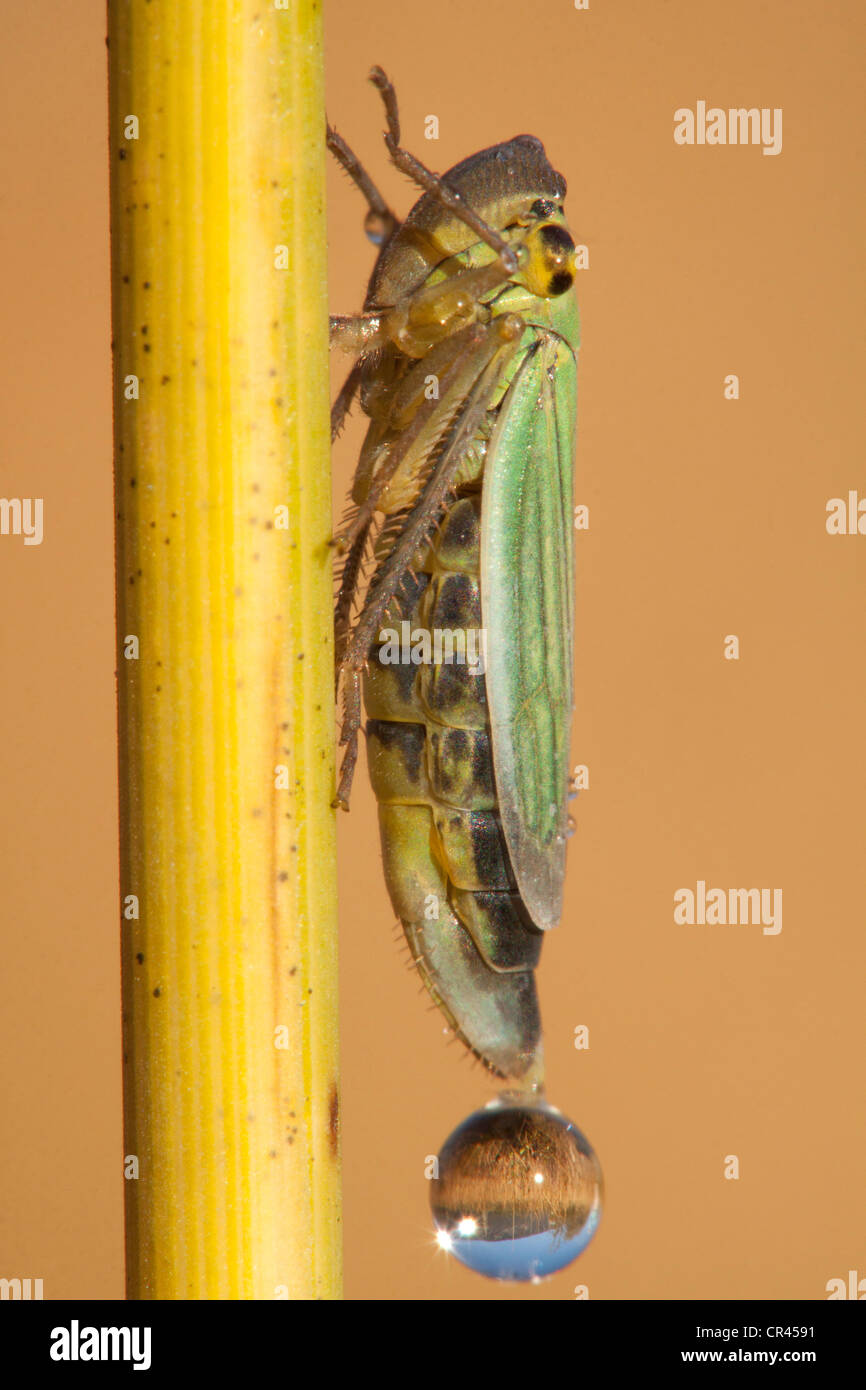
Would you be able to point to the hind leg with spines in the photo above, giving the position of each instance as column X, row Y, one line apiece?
column 503, row 336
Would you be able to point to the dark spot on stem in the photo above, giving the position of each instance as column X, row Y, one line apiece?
column 334, row 1121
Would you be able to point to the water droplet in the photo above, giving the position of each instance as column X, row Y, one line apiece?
column 519, row 1191
column 377, row 227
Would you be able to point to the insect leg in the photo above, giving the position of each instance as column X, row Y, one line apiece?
column 426, row 316
column 357, row 332
column 343, row 404
column 430, row 182
column 508, row 329
column 420, row 320
column 457, row 364
column 506, row 332
column 346, row 594
column 349, row 736
column 381, row 224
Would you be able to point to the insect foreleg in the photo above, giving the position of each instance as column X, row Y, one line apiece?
column 357, row 332
column 426, row 317
column 381, row 223
column 389, row 99
column 426, row 179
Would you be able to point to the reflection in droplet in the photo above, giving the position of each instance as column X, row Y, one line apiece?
column 519, row 1191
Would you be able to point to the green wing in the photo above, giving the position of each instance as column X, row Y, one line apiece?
column 527, row 588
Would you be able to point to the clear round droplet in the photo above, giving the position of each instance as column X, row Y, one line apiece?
column 519, row 1192
column 376, row 226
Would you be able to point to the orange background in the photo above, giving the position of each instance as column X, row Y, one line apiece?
column 706, row 518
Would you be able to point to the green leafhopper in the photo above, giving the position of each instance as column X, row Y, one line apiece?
column 465, row 364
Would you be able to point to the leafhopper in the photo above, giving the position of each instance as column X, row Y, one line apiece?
column 465, row 363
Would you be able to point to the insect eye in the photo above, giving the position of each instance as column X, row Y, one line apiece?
column 543, row 208
column 549, row 269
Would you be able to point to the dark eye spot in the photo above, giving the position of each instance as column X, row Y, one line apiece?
column 542, row 208
column 555, row 238
column 560, row 282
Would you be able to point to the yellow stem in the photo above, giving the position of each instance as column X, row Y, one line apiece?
column 225, row 650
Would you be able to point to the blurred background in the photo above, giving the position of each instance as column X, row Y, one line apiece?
column 707, row 519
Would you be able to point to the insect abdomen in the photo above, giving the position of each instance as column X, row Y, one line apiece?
column 445, row 857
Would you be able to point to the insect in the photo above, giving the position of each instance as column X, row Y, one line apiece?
column 461, row 506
